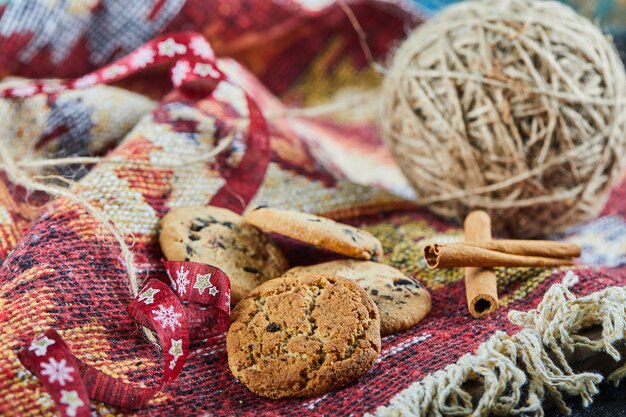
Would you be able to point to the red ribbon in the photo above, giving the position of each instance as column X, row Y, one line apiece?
column 199, row 306
column 195, row 72
column 197, row 309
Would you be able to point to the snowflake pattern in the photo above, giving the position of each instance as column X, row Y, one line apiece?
column 57, row 371
column 167, row 317
column 170, row 48
column 181, row 280
column 113, row 71
column 72, row 401
column 179, row 72
column 52, row 88
column 40, row 346
column 201, row 48
column 169, row 276
column 86, row 81
column 142, row 57
column 205, row 70
column 148, row 295
column 24, row 90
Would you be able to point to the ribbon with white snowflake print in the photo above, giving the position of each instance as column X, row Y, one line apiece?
column 195, row 73
column 202, row 289
column 48, row 357
column 196, row 307
column 199, row 306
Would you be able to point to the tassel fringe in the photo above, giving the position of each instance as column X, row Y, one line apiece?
column 518, row 372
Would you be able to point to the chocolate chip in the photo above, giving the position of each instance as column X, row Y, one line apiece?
column 387, row 297
column 272, row 327
column 374, row 291
column 229, row 225
column 260, row 207
column 193, row 237
column 198, row 224
column 403, row 282
column 251, row 270
column 189, row 250
column 313, row 220
column 220, row 244
column 250, row 348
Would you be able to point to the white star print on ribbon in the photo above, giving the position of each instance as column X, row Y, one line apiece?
column 148, row 295
column 40, row 346
column 203, row 282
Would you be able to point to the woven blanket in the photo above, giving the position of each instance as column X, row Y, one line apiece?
column 63, row 270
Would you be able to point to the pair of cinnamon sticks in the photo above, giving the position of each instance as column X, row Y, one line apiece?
column 478, row 254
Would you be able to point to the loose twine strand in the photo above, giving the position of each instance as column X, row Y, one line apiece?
column 474, row 81
column 17, row 173
column 18, row 170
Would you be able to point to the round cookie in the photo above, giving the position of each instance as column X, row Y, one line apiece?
column 318, row 231
column 221, row 238
column 302, row 335
column 402, row 301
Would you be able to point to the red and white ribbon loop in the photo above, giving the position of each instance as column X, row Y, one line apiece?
column 204, row 289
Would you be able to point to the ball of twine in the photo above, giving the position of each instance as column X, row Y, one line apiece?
column 515, row 107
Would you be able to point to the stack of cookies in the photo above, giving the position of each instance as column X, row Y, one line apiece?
column 307, row 330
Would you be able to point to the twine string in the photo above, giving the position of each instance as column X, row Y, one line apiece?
column 200, row 58
column 488, row 106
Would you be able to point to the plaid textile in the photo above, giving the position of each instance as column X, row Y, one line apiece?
column 63, row 271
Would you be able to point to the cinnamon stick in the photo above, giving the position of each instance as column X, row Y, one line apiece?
column 461, row 255
column 480, row 283
column 544, row 248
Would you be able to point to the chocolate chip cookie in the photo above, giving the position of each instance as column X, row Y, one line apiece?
column 318, row 231
column 402, row 301
column 221, row 238
column 303, row 335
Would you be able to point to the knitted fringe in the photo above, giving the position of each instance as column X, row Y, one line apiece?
column 518, row 371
